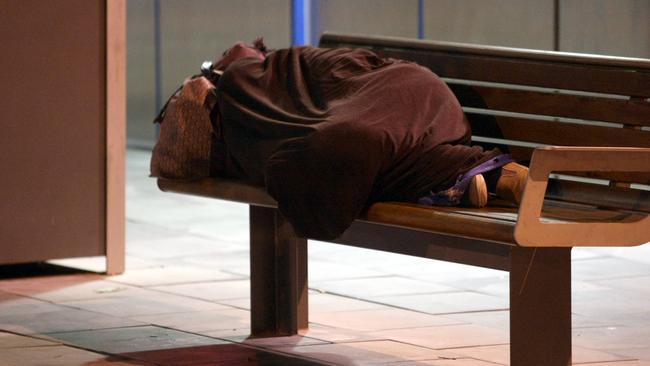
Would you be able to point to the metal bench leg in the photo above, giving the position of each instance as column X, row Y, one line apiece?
column 540, row 306
column 278, row 275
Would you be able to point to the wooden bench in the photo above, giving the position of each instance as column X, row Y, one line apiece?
column 581, row 121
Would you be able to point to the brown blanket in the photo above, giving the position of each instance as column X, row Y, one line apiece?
column 328, row 131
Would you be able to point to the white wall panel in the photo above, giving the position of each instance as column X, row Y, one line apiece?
column 381, row 17
column 514, row 23
column 620, row 27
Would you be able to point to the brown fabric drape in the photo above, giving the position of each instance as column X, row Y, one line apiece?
column 328, row 131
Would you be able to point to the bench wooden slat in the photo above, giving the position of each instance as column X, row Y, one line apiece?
column 586, row 107
column 441, row 220
column 424, row 244
column 223, row 188
column 554, row 132
column 600, row 74
column 333, row 39
column 599, row 195
column 532, row 73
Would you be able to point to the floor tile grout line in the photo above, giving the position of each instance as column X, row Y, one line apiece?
column 143, row 325
column 415, row 310
column 325, row 291
column 150, row 287
column 474, row 346
column 393, row 329
column 33, row 336
column 604, row 363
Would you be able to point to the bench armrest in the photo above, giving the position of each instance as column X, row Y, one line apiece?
column 628, row 230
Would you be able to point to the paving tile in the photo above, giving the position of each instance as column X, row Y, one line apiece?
column 165, row 275
column 137, row 230
column 447, row 362
column 144, row 302
column 364, row 353
column 495, row 286
column 179, row 246
column 6, row 295
column 320, row 270
column 617, row 363
column 9, row 340
column 501, row 319
column 231, row 354
column 60, row 356
column 318, row 303
column 500, row 354
column 321, row 303
column 439, row 271
column 642, row 353
column 365, row 258
column 11, row 304
column 370, row 288
column 231, row 226
column 338, row 335
column 66, row 287
column 608, row 268
column 448, row 302
column 613, row 338
column 200, row 321
column 234, row 334
column 60, row 319
column 638, row 284
column 638, row 254
column 448, row 336
column 234, row 262
column 500, row 286
column 241, row 303
column 212, row 291
column 626, row 319
column 380, row 319
column 274, row 342
column 582, row 253
column 611, row 301
column 491, row 319
column 133, row 339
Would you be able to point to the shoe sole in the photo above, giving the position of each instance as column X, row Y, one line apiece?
column 477, row 193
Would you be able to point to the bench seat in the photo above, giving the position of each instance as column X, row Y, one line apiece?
column 495, row 222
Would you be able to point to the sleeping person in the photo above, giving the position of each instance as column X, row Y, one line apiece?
column 330, row 131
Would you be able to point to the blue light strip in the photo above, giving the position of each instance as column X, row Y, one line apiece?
column 300, row 22
column 157, row 41
column 421, row 19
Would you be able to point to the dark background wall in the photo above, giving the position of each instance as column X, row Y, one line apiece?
column 194, row 30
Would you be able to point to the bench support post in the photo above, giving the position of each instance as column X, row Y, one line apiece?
column 278, row 260
column 540, row 306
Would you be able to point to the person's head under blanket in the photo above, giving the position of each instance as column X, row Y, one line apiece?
column 241, row 50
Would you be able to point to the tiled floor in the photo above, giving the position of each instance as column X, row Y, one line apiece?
column 184, row 301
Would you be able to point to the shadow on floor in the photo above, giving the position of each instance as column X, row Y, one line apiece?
column 218, row 355
column 26, row 270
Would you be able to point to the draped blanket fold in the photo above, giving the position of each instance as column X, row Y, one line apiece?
column 328, row 131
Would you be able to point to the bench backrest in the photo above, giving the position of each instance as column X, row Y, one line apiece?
column 519, row 99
